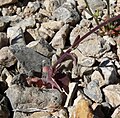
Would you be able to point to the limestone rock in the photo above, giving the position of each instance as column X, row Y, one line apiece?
column 26, row 23
column 93, row 91
column 116, row 113
column 7, row 59
column 32, row 7
column 60, row 37
column 29, row 99
column 30, row 60
column 96, row 4
column 3, row 39
column 51, row 5
column 112, row 94
column 41, row 46
column 40, row 115
column 62, row 113
column 53, row 25
column 93, row 45
column 2, row 25
column 49, row 32
column 74, row 33
column 36, row 34
column 4, row 111
column 108, row 70
column 4, row 2
column 96, row 75
column 67, row 13
column 16, row 36
column 82, row 110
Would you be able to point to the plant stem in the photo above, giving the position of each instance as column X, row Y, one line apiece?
column 94, row 29
column 108, row 8
column 78, row 39
column 91, row 12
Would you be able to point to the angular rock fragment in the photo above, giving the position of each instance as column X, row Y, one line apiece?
column 7, row 59
column 93, row 45
column 29, row 99
column 67, row 13
column 93, row 91
column 60, row 37
column 82, row 110
column 4, row 111
column 51, row 5
column 29, row 59
column 53, row 25
column 16, row 36
column 41, row 46
column 4, row 2
column 116, row 113
column 108, row 70
column 96, row 4
column 112, row 94
column 3, row 39
column 32, row 7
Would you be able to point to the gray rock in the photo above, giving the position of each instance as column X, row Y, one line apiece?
column 67, row 13
column 60, row 37
column 93, row 45
column 96, row 4
column 96, row 75
column 41, row 46
column 87, row 61
column 4, row 2
column 4, row 111
column 51, row 5
column 16, row 36
column 93, row 91
column 112, row 94
column 30, row 98
column 2, row 25
column 116, row 113
column 53, row 25
column 31, row 8
column 36, row 34
column 7, row 59
column 30, row 60
column 3, row 39
column 108, row 71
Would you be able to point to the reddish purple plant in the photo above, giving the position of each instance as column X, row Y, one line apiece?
column 53, row 71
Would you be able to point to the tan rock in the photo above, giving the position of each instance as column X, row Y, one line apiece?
column 116, row 113
column 112, row 94
column 4, row 2
column 53, row 25
column 7, row 59
column 40, row 115
column 60, row 37
column 82, row 110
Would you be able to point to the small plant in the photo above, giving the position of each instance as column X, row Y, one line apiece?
column 56, row 79
column 111, row 29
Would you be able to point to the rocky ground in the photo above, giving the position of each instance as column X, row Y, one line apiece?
column 38, row 80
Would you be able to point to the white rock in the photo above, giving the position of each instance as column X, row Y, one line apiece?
column 16, row 36
column 112, row 94
column 59, row 39
column 116, row 113
column 96, row 75
column 51, row 5
column 4, row 2
column 53, row 25
column 109, row 40
column 109, row 72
